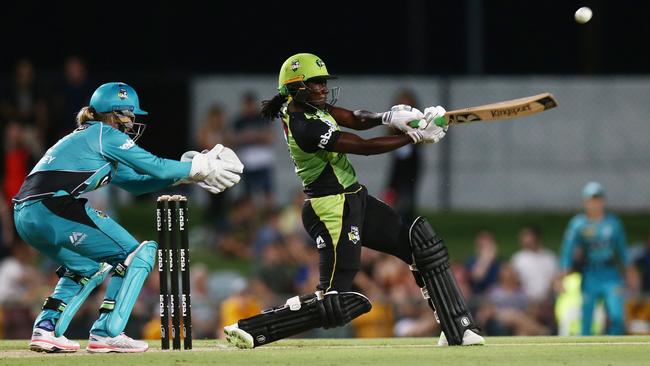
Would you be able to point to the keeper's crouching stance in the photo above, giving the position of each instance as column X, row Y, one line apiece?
column 89, row 245
column 340, row 215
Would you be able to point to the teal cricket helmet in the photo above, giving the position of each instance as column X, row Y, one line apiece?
column 116, row 96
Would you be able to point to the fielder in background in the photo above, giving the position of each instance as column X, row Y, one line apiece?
column 89, row 245
column 341, row 216
column 592, row 243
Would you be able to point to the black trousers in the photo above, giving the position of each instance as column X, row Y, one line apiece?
column 340, row 224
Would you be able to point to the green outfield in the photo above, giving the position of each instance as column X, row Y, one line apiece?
column 517, row 351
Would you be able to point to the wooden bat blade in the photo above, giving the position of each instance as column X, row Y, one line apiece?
column 508, row 109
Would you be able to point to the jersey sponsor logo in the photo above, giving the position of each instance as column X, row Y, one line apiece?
column 320, row 243
column 122, row 94
column 325, row 138
column 127, row 144
column 46, row 159
column 354, row 235
column 77, row 238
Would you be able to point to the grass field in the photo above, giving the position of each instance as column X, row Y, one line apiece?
column 518, row 351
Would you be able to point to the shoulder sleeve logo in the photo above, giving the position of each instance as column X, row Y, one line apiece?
column 127, row 144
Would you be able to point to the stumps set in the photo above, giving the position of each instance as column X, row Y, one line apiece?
column 174, row 259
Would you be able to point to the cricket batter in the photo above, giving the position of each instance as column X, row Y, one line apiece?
column 341, row 216
column 89, row 245
column 598, row 238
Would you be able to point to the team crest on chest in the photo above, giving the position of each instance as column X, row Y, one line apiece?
column 354, row 235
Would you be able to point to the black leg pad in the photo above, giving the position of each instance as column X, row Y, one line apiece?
column 432, row 263
column 303, row 313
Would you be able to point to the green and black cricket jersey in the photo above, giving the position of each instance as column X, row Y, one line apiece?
column 310, row 137
column 339, row 215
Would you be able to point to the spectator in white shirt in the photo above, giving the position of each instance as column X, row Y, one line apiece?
column 536, row 266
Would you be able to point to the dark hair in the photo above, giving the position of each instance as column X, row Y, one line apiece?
column 534, row 229
column 271, row 108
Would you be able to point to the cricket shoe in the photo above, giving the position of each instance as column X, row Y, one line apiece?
column 120, row 344
column 238, row 337
column 470, row 338
column 45, row 341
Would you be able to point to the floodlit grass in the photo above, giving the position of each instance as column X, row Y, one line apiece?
column 519, row 351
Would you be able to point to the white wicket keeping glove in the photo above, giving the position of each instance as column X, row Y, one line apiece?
column 434, row 129
column 214, row 170
column 402, row 117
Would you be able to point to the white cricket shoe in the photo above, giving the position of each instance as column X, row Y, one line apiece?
column 469, row 339
column 120, row 344
column 238, row 337
column 45, row 341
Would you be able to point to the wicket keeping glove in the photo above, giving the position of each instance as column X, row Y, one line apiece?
column 402, row 117
column 214, row 170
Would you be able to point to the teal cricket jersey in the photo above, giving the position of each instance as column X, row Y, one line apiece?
column 92, row 156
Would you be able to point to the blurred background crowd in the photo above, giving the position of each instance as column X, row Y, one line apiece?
column 250, row 252
column 500, row 195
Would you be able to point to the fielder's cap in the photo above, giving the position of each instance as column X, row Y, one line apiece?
column 593, row 189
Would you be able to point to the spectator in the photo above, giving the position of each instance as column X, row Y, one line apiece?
column 507, row 306
column 535, row 265
column 18, row 159
column 204, row 306
column 643, row 264
column 212, row 132
column 213, row 129
column 404, row 171
column 6, row 227
column 24, row 102
column 71, row 92
column 601, row 238
column 483, row 267
column 255, row 149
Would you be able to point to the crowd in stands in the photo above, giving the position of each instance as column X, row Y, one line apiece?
column 509, row 296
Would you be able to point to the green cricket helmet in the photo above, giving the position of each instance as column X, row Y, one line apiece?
column 299, row 68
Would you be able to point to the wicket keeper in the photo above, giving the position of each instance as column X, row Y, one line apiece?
column 89, row 245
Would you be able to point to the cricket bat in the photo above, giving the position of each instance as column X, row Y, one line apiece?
column 508, row 109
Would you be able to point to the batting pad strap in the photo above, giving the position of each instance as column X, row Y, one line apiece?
column 431, row 259
column 52, row 303
column 73, row 305
column 303, row 313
